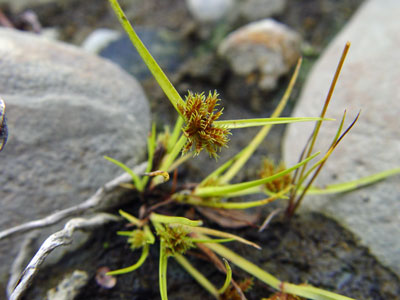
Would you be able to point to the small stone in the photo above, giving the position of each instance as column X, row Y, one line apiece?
column 69, row 287
column 369, row 82
column 99, row 39
column 266, row 47
column 104, row 280
column 209, row 11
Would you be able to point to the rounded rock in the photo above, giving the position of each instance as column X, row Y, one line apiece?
column 66, row 109
column 266, row 47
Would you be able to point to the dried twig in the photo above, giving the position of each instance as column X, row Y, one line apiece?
column 60, row 238
column 25, row 254
column 268, row 219
column 104, row 198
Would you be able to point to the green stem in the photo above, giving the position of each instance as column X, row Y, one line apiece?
column 170, row 158
column 174, row 220
column 227, row 279
column 310, row 143
column 175, row 134
column 223, row 234
column 151, row 147
column 162, row 276
column 246, row 153
column 236, row 205
column 203, row 281
column 135, row 178
column 246, row 123
column 352, row 185
column 307, row 291
column 233, row 188
column 142, row 259
column 154, row 68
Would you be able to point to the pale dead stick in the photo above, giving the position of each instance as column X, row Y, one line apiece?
column 104, row 198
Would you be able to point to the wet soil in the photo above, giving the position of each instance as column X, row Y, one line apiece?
column 309, row 249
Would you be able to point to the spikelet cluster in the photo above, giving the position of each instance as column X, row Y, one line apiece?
column 268, row 169
column 199, row 113
column 176, row 239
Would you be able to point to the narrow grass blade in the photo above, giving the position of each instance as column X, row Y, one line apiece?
column 178, row 220
column 299, row 177
column 151, row 147
column 243, row 156
column 325, row 157
column 243, row 264
column 175, row 134
column 194, row 240
column 307, row 291
column 237, row 205
column 228, row 278
column 215, row 174
column 135, row 178
column 179, row 161
column 154, row 68
column 200, row 278
column 142, row 259
column 329, row 96
column 130, row 218
column 236, row 124
column 232, row 188
column 150, row 239
column 310, row 144
column 354, row 184
column 162, row 273
column 170, row 158
column 291, row 210
column 223, row 234
column 124, row 233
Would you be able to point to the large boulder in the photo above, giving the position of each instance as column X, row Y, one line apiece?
column 370, row 81
column 66, row 109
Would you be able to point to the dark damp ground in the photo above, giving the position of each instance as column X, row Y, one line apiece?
column 309, row 249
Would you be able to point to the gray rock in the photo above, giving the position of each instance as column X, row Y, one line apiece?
column 66, row 109
column 209, row 11
column 370, row 81
column 69, row 287
column 265, row 47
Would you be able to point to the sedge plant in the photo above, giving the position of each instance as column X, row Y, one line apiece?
column 199, row 128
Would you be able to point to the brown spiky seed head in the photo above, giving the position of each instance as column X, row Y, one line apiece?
column 268, row 169
column 199, row 113
column 176, row 239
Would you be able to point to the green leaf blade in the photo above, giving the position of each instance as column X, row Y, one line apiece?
column 236, row 124
column 151, row 63
column 135, row 178
column 233, row 188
